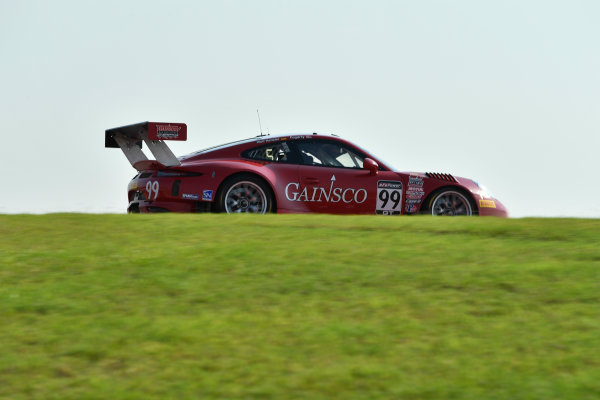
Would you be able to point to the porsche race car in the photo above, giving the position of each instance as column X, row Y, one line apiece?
column 302, row 173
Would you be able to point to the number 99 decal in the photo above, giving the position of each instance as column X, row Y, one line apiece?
column 389, row 197
column 152, row 189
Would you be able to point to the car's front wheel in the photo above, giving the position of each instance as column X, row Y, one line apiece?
column 451, row 203
column 245, row 194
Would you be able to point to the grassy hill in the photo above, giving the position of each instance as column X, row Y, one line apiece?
column 298, row 307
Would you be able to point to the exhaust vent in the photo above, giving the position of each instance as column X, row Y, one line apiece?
column 441, row 177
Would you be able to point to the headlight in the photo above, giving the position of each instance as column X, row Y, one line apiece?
column 485, row 191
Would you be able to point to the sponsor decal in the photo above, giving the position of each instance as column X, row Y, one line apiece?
column 414, row 193
column 317, row 194
column 389, row 185
column 412, row 208
column 487, row 204
column 415, row 181
column 190, row 196
column 298, row 137
column 413, row 205
column 270, row 140
column 207, row 195
column 167, row 131
column 389, row 198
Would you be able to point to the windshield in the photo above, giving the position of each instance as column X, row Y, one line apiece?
column 379, row 159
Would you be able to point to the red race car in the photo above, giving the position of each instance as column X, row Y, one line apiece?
column 308, row 173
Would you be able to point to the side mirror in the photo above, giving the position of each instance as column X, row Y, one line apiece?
column 371, row 166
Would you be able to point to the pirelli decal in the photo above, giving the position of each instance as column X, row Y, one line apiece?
column 487, row 204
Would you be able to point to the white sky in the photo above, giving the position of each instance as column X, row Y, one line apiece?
column 504, row 92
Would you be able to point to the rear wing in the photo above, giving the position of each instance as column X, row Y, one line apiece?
column 129, row 138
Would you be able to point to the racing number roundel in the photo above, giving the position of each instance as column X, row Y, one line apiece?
column 389, row 197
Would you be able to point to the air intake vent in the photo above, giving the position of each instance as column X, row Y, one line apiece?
column 175, row 188
column 441, row 177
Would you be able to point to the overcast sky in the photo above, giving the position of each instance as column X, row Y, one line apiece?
column 503, row 92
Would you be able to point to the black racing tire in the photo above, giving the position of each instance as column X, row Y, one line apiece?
column 245, row 193
column 452, row 202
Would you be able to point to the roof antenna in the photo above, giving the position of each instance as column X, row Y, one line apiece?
column 259, row 124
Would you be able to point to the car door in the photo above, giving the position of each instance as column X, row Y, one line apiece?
column 336, row 191
column 332, row 180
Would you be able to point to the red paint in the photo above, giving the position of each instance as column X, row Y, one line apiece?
column 297, row 187
column 167, row 131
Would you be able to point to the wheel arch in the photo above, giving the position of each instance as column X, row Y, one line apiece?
column 426, row 204
column 241, row 174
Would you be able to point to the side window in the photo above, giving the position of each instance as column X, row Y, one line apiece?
column 328, row 154
column 274, row 152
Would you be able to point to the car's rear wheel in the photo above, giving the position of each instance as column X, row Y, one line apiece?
column 451, row 203
column 245, row 194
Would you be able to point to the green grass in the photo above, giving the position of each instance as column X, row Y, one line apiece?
column 298, row 307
